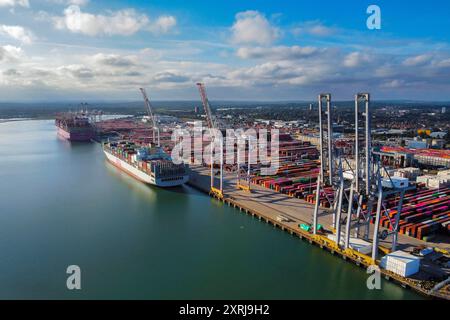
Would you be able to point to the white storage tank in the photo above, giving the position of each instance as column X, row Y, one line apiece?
column 401, row 263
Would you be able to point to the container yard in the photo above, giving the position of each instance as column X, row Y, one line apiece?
column 293, row 215
column 367, row 200
column 389, row 211
column 130, row 129
column 403, row 157
column 424, row 214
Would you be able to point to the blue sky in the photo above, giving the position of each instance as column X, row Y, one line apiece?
column 242, row 50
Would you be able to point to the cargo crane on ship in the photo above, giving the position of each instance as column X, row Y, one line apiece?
column 213, row 127
column 151, row 116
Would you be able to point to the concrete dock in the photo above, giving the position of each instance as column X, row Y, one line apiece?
column 268, row 205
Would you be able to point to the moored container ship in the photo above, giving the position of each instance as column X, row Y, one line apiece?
column 150, row 165
column 75, row 127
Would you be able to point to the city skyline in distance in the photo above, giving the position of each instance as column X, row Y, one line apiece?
column 69, row 50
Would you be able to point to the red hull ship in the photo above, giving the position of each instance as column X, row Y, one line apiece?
column 75, row 127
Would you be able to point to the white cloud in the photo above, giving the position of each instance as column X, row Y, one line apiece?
column 69, row 2
column 163, row 24
column 393, row 84
column 10, row 53
column 152, row 53
column 171, row 77
column 251, row 27
column 314, row 28
column 78, row 2
column 77, row 71
column 269, row 70
column 123, row 22
column 444, row 63
column 279, row 71
column 277, row 53
column 17, row 32
column 284, row 74
column 419, row 60
column 115, row 60
column 356, row 59
column 13, row 3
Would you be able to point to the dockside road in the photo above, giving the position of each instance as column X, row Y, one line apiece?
column 272, row 204
column 269, row 205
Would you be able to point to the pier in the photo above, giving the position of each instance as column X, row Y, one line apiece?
column 287, row 213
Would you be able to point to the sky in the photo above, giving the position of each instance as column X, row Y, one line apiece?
column 82, row 50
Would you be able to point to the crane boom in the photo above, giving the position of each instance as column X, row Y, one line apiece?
column 149, row 107
column 152, row 117
column 211, row 121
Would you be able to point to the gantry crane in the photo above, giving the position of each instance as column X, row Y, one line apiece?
column 251, row 147
column 213, row 127
column 151, row 115
column 327, row 172
column 364, row 194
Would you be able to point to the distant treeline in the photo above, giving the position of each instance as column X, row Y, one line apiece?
column 50, row 109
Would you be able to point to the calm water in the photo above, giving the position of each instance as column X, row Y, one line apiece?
column 62, row 204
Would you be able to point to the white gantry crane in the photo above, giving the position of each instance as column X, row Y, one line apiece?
column 362, row 191
column 151, row 116
column 213, row 127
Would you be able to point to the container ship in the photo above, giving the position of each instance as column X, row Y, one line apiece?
column 150, row 165
column 75, row 127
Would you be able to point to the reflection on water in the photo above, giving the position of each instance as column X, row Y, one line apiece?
column 146, row 191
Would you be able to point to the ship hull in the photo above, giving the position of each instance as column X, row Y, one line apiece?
column 142, row 176
column 80, row 136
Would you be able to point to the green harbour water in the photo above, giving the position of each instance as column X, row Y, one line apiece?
column 62, row 204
